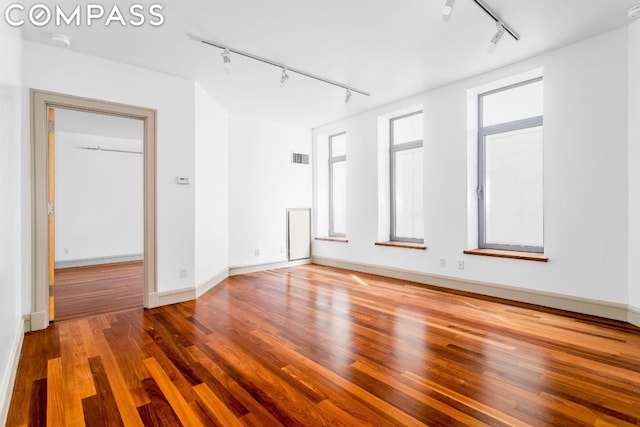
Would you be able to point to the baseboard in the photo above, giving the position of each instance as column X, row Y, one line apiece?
column 547, row 299
column 633, row 316
column 158, row 299
column 38, row 321
column 235, row 271
column 9, row 378
column 98, row 261
column 211, row 283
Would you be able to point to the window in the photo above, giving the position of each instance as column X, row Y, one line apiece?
column 405, row 155
column 510, row 169
column 338, row 185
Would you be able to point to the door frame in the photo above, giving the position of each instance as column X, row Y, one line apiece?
column 40, row 102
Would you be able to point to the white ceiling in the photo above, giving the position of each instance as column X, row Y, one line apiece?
column 393, row 49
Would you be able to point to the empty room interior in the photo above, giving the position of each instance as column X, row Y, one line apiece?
column 292, row 213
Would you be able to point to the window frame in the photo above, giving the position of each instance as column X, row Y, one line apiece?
column 393, row 149
column 332, row 161
column 483, row 133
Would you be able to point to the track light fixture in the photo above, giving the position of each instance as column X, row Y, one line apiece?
column 226, row 56
column 448, row 7
column 499, row 33
column 285, row 77
column 347, row 96
column 500, row 24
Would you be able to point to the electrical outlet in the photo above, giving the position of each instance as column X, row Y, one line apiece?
column 281, row 249
column 257, row 252
column 460, row 265
column 183, row 273
column 443, row 263
column 66, row 251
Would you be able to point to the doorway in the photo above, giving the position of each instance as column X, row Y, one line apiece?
column 43, row 105
column 96, row 191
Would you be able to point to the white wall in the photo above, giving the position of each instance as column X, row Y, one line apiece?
column 262, row 185
column 99, row 198
column 55, row 69
column 212, row 188
column 11, row 216
column 585, row 170
column 634, row 164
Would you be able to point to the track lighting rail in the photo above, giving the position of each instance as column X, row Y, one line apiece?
column 282, row 66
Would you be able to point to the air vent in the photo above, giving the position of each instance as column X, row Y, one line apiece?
column 299, row 159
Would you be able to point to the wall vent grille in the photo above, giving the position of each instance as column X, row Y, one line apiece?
column 299, row 159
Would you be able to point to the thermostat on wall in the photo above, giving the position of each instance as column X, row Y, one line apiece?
column 183, row 180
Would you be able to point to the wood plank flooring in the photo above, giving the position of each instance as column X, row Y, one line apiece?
column 96, row 289
column 314, row 346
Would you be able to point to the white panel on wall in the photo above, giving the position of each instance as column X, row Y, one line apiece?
column 299, row 233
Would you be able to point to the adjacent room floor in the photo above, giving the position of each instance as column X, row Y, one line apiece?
column 311, row 346
column 96, row 289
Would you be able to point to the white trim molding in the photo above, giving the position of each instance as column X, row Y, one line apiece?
column 99, row 261
column 588, row 306
column 158, row 299
column 6, row 388
column 238, row 270
column 205, row 287
column 633, row 316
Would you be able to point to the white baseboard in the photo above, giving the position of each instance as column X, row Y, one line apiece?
column 158, row 299
column 547, row 299
column 235, row 271
column 211, row 283
column 9, row 378
column 98, row 261
column 634, row 316
column 38, row 321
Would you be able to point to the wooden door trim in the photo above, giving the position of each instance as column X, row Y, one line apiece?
column 40, row 102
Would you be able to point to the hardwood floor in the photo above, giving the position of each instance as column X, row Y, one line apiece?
column 96, row 289
column 311, row 346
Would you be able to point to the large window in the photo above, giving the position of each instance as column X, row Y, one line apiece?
column 338, row 185
column 510, row 203
column 405, row 153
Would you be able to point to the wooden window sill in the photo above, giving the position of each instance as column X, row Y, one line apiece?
column 527, row 256
column 333, row 239
column 407, row 245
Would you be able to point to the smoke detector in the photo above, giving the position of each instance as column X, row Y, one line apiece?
column 60, row 40
column 634, row 12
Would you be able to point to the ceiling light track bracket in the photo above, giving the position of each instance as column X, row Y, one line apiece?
column 499, row 21
column 346, row 87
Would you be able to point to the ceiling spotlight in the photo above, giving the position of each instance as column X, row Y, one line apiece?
column 285, row 77
column 499, row 33
column 60, row 40
column 634, row 12
column 347, row 97
column 226, row 57
column 448, row 7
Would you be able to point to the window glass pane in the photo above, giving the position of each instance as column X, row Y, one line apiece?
column 339, row 193
column 408, row 194
column 407, row 129
column 513, row 193
column 339, row 145
column 520, row 102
